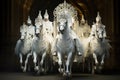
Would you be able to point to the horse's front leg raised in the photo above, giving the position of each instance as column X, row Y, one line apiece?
column 60, row 62
column 26, row 61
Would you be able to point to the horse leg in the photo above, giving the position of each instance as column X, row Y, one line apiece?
column 26, row 61
column 102, row 61
column 71, row 67
column 96, row 62
column 35, row 61
column 92, row 66
column 83, row 63
column 42, row 60
column 68, row 65
column 95, row 58
column 60, row 62
column 89, row 64
column 21, row 60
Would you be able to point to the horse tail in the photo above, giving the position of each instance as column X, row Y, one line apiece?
column 18, row 47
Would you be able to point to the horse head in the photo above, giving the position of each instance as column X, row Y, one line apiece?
column 100, row 33
column 62, row 25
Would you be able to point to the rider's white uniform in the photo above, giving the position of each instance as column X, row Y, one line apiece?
column 30, row 32
column 96, row 26
column 48, row 28
column 29, row 36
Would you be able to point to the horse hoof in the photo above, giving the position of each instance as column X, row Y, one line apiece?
column 96, row 63
column 43, row 69
column 95, row 67
column 36, row 68
column 69, row 74
column 100, row 67
column 24, row 70
column 22, row 67
column 64, row 74
column 60, row 70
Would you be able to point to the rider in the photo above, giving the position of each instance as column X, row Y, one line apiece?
column 47, row 27
column 23, row 30
column 84, row 28
column 30, row 29
column 105, row 44
column 96, row 26
column 38, row 23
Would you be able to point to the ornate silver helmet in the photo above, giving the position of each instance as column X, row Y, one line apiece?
column 46, row 16
column 98, row 18
column 28, row 20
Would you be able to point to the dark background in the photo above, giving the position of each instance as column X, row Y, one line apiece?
column 14, row 12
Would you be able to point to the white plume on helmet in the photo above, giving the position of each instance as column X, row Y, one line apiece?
column 39, row 18
column 39, row 15
column 46, row 16
column 28, row 20
column 98, row 17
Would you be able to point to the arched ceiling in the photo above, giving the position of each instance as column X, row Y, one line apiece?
column 86, row 7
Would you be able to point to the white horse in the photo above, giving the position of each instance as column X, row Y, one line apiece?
column 41, row 51
column 65, row 47
column 99, row 49
column 24, row 47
